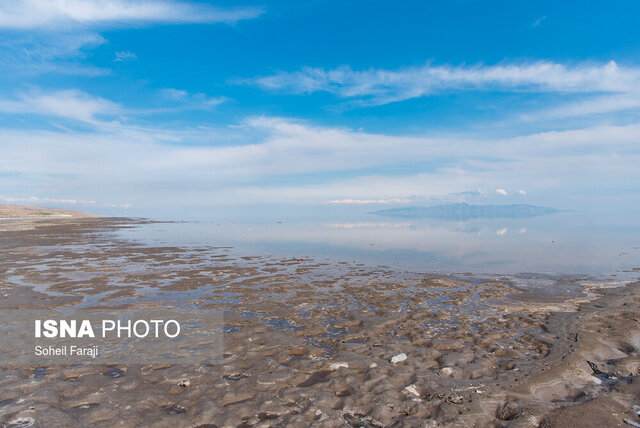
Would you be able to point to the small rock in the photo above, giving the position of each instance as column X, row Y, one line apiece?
column 336, row 366
column 184, row 383
column 447, row 371
column 411, row 389
column 398, row 358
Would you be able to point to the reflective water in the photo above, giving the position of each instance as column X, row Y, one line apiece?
column 570, row 242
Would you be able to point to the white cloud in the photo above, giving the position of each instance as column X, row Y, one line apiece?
column 189, row 100
column 98, row 112
column 68, row 104
column 163, row 167
column 420, row 81
column 458, row 196
column 175, row 94
column 380, row 86
column 502, row 231
column 370, row 225
column 370, row 201
column 122, row 56
column 60, row 14
column 538, row 21
column 52, row 35
column 31, row 53
column 501, row 192
column 522, row 192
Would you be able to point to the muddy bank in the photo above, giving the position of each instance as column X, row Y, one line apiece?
column 316, row 342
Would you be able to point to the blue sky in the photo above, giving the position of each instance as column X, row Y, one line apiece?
column 166, row 107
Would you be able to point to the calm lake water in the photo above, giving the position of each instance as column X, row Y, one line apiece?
column 571, row 242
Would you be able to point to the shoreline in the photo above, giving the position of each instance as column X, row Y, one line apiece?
column 28, row 211
column 480, row 352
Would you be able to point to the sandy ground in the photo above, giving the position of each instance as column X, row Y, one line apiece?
column 312, row 343
column 13, row 211
column 30, row 217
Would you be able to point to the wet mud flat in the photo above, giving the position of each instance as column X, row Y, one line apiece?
column 321, row 343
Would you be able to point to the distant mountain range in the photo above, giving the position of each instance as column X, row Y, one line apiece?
column 463, row 211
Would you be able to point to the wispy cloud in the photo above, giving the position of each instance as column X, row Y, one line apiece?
column 73, row 104
column 593, row 105
column 370, row 225
column 458, row 196
column 155, row 165
column 188, row 100
column 502, row 192
column 31, row 53
column 56, row 14
column 369, row 201
column 67, row 104
column 122, row 56
column 380, row 86
column 42, row 36
column 538, row 21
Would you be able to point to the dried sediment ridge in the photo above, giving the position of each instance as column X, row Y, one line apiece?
column 311, row 343
column 25, row 211
column 23, row 217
